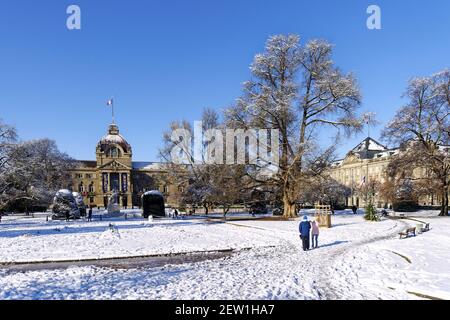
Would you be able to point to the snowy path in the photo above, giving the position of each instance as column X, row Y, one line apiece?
column 356, row 260
column 339, row 287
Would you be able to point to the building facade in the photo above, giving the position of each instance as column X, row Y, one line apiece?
column 365, row 163
column 114, row 170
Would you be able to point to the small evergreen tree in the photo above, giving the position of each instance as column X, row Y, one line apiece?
column 371, row 212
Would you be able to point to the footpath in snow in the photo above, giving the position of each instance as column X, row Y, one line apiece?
column 356, row 260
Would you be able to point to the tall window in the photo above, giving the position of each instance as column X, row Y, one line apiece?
column 81, row 187
column 91, row 187
column 113, row 152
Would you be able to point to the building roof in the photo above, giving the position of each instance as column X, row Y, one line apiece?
column 144, row 165
column 114, row 137
column 369, row 144
column 87, row 163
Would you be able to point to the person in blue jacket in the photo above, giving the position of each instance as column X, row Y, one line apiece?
column 305, row 228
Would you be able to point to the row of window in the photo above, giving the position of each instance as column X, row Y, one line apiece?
column 81, row 187
column 91, row 187
column 86, row 175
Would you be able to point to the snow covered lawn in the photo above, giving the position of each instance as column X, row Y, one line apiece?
column 356, row 260
column 34, row 239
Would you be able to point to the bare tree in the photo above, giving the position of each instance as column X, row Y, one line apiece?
column 325, row 190
column 422, row 125
column 299, row 91
column 208, row 184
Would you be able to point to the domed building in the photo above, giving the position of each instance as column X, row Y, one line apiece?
column 114, row 170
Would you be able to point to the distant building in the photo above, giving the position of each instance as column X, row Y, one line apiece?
column 367, row 162
column 114, row 169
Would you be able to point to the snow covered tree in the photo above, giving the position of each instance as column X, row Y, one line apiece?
column 7, row 138
column 298, row 91
column 33, row 172
column 325, row 190
column 422, row 126
column 207, row 184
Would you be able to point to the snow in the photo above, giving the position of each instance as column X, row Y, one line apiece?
column 113, row 139
column 369, row 144
column 64, row 192
column 34, row 240
column 356, row 259
column 154, row 193
column 373, row 145
column 147, row 165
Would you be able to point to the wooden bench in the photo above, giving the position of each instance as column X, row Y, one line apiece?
column 408, row 233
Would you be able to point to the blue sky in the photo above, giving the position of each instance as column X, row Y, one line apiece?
column 166, row 60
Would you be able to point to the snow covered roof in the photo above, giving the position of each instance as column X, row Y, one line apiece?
column 143, row 165
column 87, row 163
column 369, row 144
column 387, row 153
column 113, row 137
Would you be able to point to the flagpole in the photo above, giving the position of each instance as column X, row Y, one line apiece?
column 112, row 109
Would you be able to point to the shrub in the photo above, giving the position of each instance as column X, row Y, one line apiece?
column 371, row 213
column 405, row 206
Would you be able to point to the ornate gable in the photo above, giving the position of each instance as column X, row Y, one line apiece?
column 351, row 158
column 114, row 165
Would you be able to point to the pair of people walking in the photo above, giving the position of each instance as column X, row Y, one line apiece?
column 309, row 229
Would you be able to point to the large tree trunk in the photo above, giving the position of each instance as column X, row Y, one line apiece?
column 288, row 206
column 444, row 203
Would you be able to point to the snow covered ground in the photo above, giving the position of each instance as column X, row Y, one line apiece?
column 356, row 260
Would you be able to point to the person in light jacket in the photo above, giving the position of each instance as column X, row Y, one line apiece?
column 315, row 234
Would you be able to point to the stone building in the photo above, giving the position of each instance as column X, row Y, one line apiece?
column 365, row 163
column 114, row 169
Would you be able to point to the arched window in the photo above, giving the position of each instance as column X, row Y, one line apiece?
column 81, row 187
column 113, row 152
column 91, row 187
